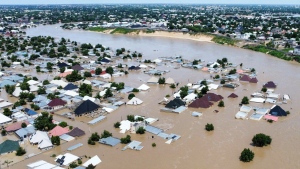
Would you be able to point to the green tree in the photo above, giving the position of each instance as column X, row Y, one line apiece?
column 30, row 97
column 87, row 74
column 62, row 70
column 85, row 90
column 23, row 125
column 245, row 100
column 7, row 112
column 261, row 140
column 130, row 96
column 140, row 130
column 20, row 151
column 3, row 133
column 106, row 134
column 98, row 71
column 247, row 155
column 55, row 140
column 73, row 165
column 73, row 77
column 90, row 166
column 108, row 93
column 221, row 103
column 109, row 70
column 41, row 90
column 44, row 122
column 126, row 139
column 173, row 86
column 63, row 124
column 209, row 127
column 264, row 89
column 117, row 125
column 130, row 118
column 222, row 81
column 24, row 86
column 161, row 80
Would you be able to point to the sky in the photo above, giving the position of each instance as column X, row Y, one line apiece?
column 16, row 2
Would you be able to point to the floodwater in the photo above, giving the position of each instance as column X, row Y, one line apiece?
column 196, row 148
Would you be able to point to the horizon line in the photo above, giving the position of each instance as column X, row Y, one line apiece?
column 152, row 4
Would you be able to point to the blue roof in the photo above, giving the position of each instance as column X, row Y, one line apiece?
column 111, row 141
column 70, row 86
column 31, row 112
column 153, row 130
column 24, row 132
column 6, row 82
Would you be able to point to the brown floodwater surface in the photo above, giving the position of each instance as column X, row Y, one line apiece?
column 196, row 148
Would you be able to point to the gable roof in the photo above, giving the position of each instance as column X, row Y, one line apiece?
column 15, row 126
column 277, row 111
column 76, row 132
column 212, row 97
column 70, row 86
column 173, row 104
column 245, row 78
column 62, row 64
column 270, row 84
column 77, row 67
column 8, row 146
column 253, row 80
column 58, row 131
column 200, row 103
column 86, row 107
column 56, row 102
column 232, row 95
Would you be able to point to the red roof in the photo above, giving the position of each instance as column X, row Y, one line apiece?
column 15, row 126
column 232, row 95
column 212, row 97
column 103, row 72
column 202, row 102
column 56, row 102
column 92, row 71
column 58, row 131
column 253, row 80
column 245, row 78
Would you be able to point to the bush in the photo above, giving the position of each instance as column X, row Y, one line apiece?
column 247, row 155
column 3, row 132
column 135, row 90
column 130, row 96
column 70, row 127
column 105, row 134
column 261, row 140
column 126, row 139
column 245, row 100
column 73, row 165
column 117, row 125
column 222, row 81
column 130, row 118
column 221, row 104
column 264, row 89
column 209, row 127
column 140, row 130
column 23, row 125
column 153, row 144
column 161, row 80
column 21, row 151
column 173, row 86
column 288, row 112
column 63, row 124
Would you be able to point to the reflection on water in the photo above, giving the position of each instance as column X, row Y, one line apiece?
column 196, row 148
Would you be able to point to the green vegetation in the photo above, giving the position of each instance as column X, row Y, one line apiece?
column 264, row 89
column 95, row 137
column 73, row 77
column 161, row 80
column 209, row 127
column 140, row 130
column 7, row 112
column 126, row 139
column 149, row 31
column 23, row 125
column 224, row 40
column 44, row 122
column 106, row 134
column 21, row 151
column 63, row 124
column 117, row 125
column 261, row 140
column 73, row 165
column 108, row 93
column 135, row 90
column 130, row 96
column 130, row 118
column 55, row 140
column 153, row 144
column 247, row 155
column 124, row 31
column 245, row 100
column 173, row 86
column 85, row 90
column 270, row 51
column 90, row 166
column 3, row 133
column 221, row 104
column 183, row 91
column 98, row 29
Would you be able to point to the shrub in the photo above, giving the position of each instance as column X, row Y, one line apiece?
column 130, row 118
column 247, row 155
column 261, row 140
column 221, row 103
column 23, row 125
column 245, row 100
column 161, row 80
column 3, row 132
column 117, row 125
column 105, row 134
column 135, row 90
column 288, row 112
column 130, row 96
column 209, row 127
column 21, row 151
column 153, row 144
column 222, row 81
column 264, row 89
column 73, row 165
column 63, row 124
column 140, row 130
column 70, row 127
column 173, row 86
column 126, row 139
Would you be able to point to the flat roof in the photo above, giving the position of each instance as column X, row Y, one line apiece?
column 111, row 141
column 96, row 120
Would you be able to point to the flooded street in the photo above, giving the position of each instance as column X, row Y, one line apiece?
column 196, row 148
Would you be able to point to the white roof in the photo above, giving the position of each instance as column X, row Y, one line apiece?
column 17, row 92
column 68, row 70
column 143, row 66
column 170, row 81
column 246, row 109
column 5, row 104
column 105, row 76
column 286, row 97
column 102, row 93
column 190, row 97
column 157, row 60
column 87, row 82
column 33, row 88
column 45, row 143
column 94, row 161
column 71, row 93
column 153, row 80
column 106, row 85
column 32, row 82
column 42, row 165
column 59, row 83
column 273, row 95
column 212, row 86
column 89, row 98
column 143, row 87
column 241, row 115
column 135, row 101
column 150, row 120
column 177, row 94
column 125, row 125
column 69, row 158
column 4, row 119
column 66, row 137
column 195, row 86
column 257, row 100
column 38, row 137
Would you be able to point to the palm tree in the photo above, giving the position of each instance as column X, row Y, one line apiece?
column 6, row 162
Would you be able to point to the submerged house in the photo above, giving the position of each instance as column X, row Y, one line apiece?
column 270, row 84
column 173, row 104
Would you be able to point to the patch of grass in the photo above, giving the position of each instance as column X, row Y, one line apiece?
column 264, row 49
column 224, row 40
column 124, row 31
column 98, row 29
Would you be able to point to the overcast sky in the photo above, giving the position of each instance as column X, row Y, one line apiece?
column 5, row 2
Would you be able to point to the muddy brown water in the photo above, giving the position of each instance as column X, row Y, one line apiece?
column 196, row 148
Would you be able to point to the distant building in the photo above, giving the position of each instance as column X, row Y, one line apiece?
column 297, row 50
